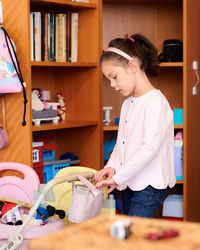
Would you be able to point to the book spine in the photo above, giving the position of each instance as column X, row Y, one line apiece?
column 37, row 36
column 46, row 37
column 57, row 38
column 53, row 38
column 64, row 38
column 74, row 38
column 50, row 37
column 60, row 37
column 31, row 35
column 42, row 36
column 69, row 37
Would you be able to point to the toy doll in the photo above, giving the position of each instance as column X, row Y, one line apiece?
column 11, row 213
column 61, row 108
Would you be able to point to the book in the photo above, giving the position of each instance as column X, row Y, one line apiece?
column 37, row 33
column 31, row 35
column 74, row 37
column 57, row 39
column 46, row 54
column 64, row 56
column 68, row 37
column 42, row 36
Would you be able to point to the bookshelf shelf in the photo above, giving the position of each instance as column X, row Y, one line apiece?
column 114, row 127
column 171, row 64
column 63, row 125
column 63, row 64
column 179, row 182
column 63, row 3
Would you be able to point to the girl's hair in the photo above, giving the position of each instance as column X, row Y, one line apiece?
column 139, row 47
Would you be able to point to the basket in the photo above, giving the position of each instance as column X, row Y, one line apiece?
column 51, row 168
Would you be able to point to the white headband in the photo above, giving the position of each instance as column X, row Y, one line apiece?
column 119, row 52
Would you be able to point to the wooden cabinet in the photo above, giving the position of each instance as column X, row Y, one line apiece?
column 160, row 20
column 79, row 83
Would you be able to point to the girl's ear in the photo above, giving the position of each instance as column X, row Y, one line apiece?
column 133, row 64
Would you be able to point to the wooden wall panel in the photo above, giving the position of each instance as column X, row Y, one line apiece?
column 191, row 112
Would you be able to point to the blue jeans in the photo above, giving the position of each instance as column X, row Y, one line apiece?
column 143, row 203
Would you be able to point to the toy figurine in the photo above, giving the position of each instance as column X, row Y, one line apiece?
column 44, row 213
column 61, row 108
column 11, row 213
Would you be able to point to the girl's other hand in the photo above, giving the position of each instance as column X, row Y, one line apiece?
column 109, row 172
column 107, row 183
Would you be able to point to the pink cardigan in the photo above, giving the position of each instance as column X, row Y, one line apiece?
column 144, row 151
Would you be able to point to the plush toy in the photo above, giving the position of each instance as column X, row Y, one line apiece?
column 11, row 213
column 44, row 213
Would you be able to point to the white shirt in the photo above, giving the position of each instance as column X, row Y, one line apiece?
column 144, row 151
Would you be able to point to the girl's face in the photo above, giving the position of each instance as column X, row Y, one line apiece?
column 121, row 77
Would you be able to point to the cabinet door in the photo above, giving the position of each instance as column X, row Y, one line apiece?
column 191, row 103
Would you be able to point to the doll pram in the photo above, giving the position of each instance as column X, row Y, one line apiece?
column 11, row 237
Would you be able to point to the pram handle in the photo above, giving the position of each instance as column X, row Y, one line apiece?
column 68, row 178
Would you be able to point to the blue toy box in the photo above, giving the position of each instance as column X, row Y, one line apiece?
column 52, row 167
column 178, row 116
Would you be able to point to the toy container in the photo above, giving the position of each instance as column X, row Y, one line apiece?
column 178, row 116
column 178, row 159
column 52, row 167
column 109, row 205
column 173, row 207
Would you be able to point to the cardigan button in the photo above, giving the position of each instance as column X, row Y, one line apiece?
column 123, row 142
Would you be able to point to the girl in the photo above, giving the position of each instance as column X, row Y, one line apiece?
column 142, row 162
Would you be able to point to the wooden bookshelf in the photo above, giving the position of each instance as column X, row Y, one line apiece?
column 78, row 82
column 159, row 21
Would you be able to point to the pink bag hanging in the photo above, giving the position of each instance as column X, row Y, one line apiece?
column 86, row 201
column 11, row 79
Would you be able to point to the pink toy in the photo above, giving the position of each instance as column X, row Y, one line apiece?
column 9, row 80
column 16, row 188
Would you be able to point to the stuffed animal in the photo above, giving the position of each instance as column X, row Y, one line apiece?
column 10, row 213
column 44, row 213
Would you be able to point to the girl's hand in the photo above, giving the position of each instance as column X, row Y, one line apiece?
column 107, row 183
column 109, row 172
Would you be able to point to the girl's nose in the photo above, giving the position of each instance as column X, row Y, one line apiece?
column 112, row 84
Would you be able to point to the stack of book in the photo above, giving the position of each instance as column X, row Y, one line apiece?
column 54, row 36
